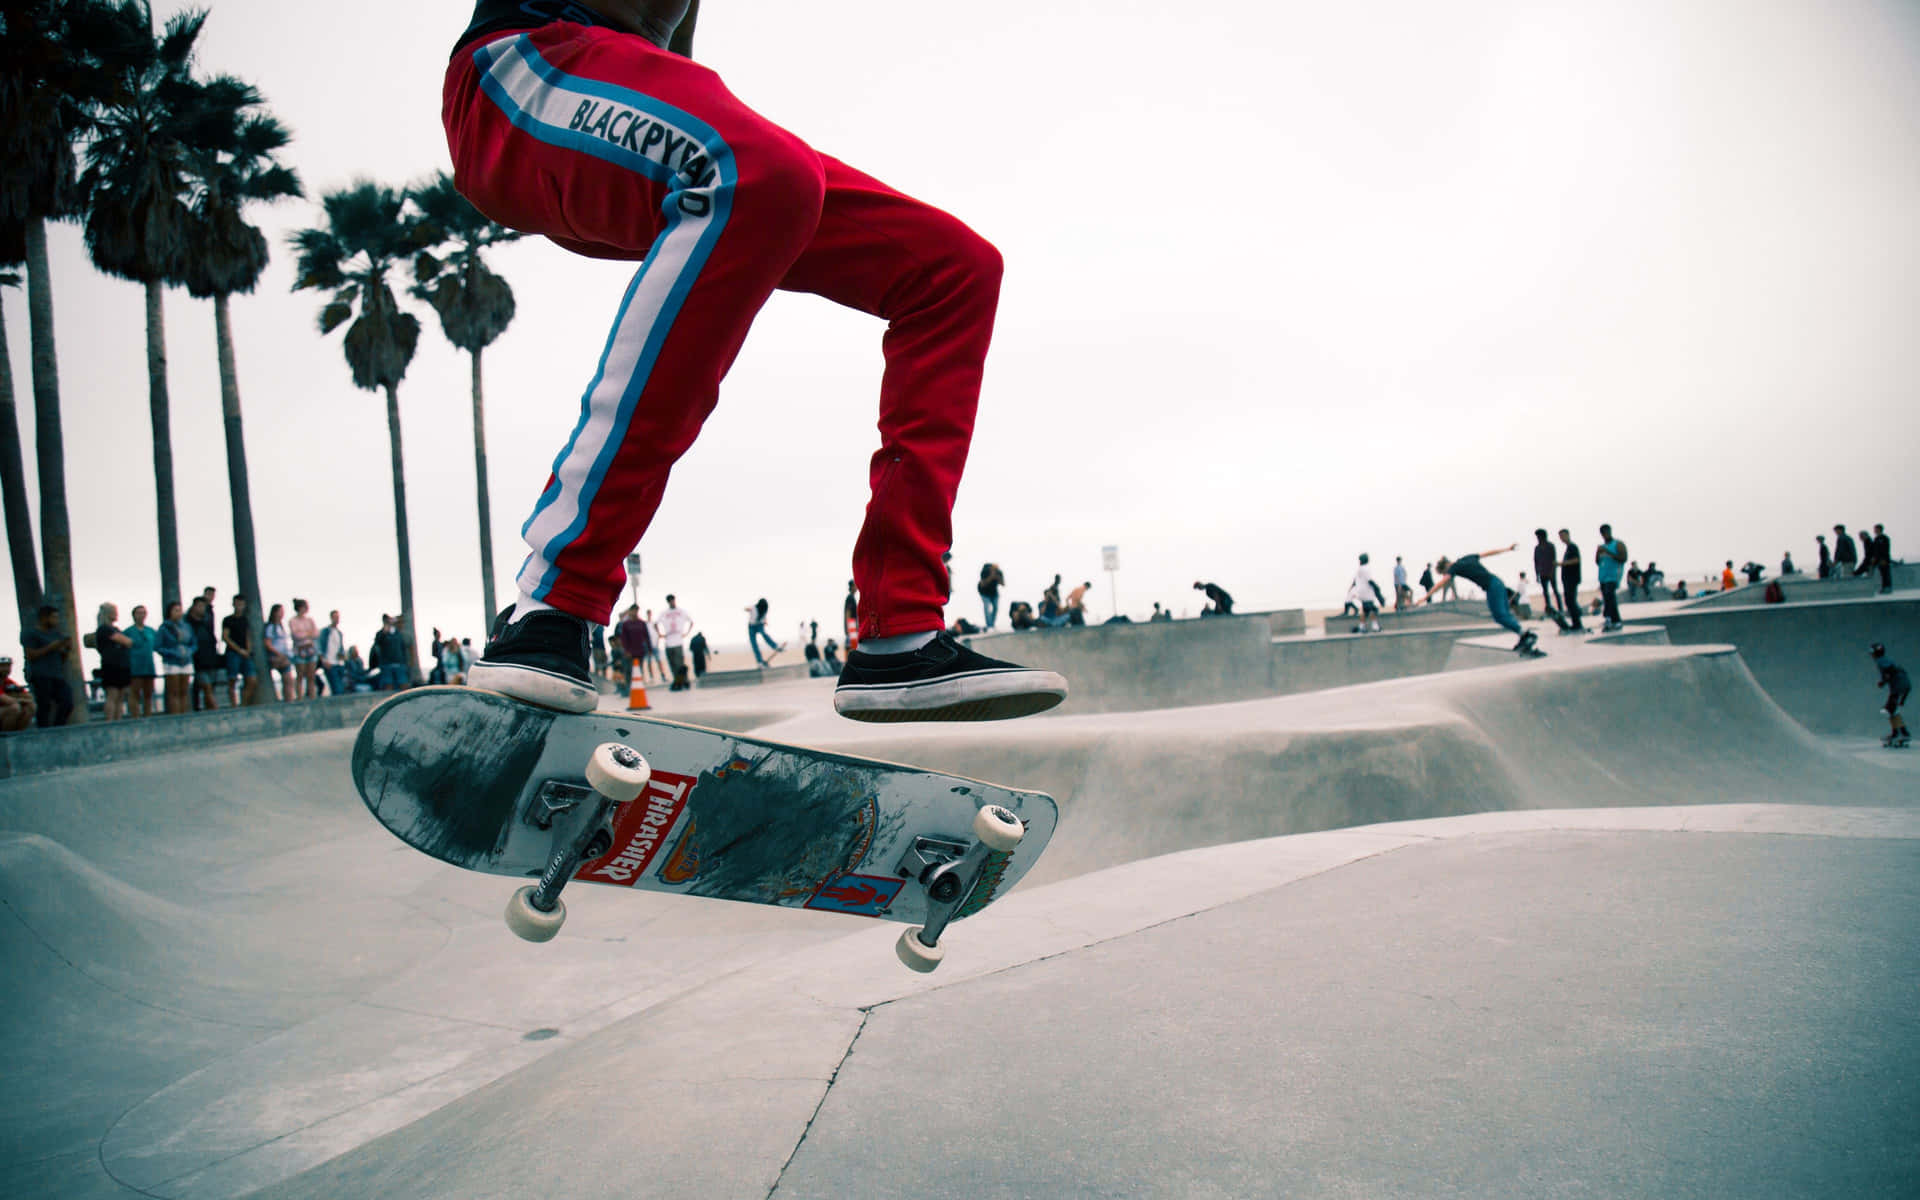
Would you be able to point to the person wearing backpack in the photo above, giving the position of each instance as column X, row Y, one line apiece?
column 1610, row 561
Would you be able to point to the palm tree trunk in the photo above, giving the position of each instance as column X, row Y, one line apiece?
column 159, row 406
column 480, row 483
column 56, row 535
column 13, row 491
column 244, row 550
column 401, row 538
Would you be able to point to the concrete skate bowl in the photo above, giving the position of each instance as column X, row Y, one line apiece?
column 228, row 978
column 1620, row 726
column 1812, row 657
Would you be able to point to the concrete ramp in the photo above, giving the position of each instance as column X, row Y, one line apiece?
column 1812, row 657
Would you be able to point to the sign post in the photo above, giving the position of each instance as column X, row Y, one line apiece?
column 633, row 576
column 1110, row 560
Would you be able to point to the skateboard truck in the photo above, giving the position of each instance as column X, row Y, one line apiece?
column 949, row 869
column 616, row 774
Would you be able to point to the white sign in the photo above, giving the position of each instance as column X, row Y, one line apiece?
column 633, row 565
column 1110, row 558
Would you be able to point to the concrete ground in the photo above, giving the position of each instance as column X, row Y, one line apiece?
column 1607, row 923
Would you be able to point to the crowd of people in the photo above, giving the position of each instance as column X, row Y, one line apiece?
column 195, row 660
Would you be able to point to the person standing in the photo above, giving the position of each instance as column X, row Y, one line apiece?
column 1077, row 604
column 304, row 632
column 239, row 649
column 1363, row 590
column 280, row 654
column 141, row 640
column 1545, row 560
column 1826, row 556
column 697, row 650
column 1402, row 594
column 850, row 612
column 332, row 645
column 1570, row 580
column 1879, row 556
column 675, row 625
column 46, row 649
column 1470, row 568
column 389, row 655
column 116, row 669
column 1844, row 556
column 175, row 648
column 1610, row 561
column 1426, row 578
column 992, row 579
column 209, row 660
column 655, row 657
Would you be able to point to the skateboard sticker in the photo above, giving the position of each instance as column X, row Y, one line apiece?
column 861, row 895
column 642, row 830
column 682, row 863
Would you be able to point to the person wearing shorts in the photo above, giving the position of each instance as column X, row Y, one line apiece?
column 588, row 122
column 116, row 667
column 304, row 632
column 141, row 662
column 174, row 650
column 239, row 651
column 209, row 660
column 1899, row 685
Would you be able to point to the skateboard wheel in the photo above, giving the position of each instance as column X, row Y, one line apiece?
column 530, row 923
column 618, row 771
column 998, row 828
column 917, row 954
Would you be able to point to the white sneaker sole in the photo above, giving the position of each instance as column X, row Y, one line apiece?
column 544, row 688
column 989, row 696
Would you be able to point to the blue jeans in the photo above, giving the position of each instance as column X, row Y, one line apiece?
column 991, row 606
column 1497, row 605
column 336, row 680
column 756, row 631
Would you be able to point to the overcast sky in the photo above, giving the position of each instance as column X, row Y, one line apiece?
column 1285, row 282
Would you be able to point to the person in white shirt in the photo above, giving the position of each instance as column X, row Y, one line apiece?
column 675, row 625
column 1369, row 599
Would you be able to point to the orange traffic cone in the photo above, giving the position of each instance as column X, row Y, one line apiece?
column 637, row 691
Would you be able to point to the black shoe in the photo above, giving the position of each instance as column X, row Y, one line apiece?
column 541, row 658
column 942, row 681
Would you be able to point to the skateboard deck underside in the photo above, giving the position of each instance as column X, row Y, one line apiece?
column 457, row 773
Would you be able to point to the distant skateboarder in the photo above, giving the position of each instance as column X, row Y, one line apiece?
column 1469, row 568
column 1899, row 685
column 587, row 121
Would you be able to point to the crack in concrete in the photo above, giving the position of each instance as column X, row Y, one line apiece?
column 865, row 1016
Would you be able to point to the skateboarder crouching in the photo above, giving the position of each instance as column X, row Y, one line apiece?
column 587, row 122
column 1469, row 568
column 1899, row 686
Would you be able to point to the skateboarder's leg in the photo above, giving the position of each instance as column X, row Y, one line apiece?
column 937, row 285
column 617, row 149
column 1502, row 613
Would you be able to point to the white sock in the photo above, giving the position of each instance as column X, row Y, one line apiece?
column 527, row 604
column 895, row 645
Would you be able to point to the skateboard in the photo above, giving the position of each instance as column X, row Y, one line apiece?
column 491, row 784
column 1560, row 621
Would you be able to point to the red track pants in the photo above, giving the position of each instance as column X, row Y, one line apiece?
column 615, row 148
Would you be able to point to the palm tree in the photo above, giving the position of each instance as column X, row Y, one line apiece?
column 49, row 77
column 475, row 307
column 13, row 484
column 136, row 215
column 366, row 237
column 231, row 164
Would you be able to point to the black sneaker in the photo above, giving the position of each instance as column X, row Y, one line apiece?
column 1526, row 642
column 942, row 681
column 541, row 658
